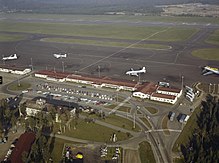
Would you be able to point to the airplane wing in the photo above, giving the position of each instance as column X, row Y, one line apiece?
column 136, row 74
column 208, row 73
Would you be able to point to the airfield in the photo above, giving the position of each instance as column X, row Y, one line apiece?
column 110, row 46
column 96, row 53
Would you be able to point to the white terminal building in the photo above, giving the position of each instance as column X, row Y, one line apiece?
column 14, row 70
column 146, row 90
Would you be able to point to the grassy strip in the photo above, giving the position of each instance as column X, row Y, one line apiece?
column 151, row 110
column 175, row 34
column 19, row 86
column 207, row 54
column 121, row 122
column 107, row 43
column 187, row 130
column 11, row 37
column 96, row 132
column 164, row 125
column 213, row 38
column 146, row 153
column 106, row 31
column 146, row 122
column 129, row 18
column 124, row 109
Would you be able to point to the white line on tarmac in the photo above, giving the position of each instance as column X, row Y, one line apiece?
column 131, row 45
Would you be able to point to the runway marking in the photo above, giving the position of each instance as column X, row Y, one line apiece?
column 121, row 104
column 124, row 49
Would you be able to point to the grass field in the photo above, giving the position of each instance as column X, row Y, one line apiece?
column 96, row 132
column 151, row 110
column 116, row 17
column 19, row 86
column 187, row 130
column 175, row 34
column 94, row 30
column 56, row 153
column 121, row 122
column 213, row 38
column 11, row 37
column 146, row 153
column 107, row 43
column 207, row 54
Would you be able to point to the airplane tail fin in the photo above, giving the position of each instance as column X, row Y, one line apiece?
column 144, row 69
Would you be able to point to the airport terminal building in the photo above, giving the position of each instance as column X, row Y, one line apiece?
column 147, row 90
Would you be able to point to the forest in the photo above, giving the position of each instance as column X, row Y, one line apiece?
column 203, row 145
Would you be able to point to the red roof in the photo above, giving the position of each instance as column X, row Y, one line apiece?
column 159, row 95
column 175, row 90
column 148, row 88
column 24, row 143
column 95, row 80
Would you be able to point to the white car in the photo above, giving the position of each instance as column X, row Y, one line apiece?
column 60, row 55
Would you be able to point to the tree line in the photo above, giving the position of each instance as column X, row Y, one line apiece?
column 203, row 145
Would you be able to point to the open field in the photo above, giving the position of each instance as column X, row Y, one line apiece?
column 146, row 153
column 207, row 54
column 11, row 37
column 106, row 43
column 96, row 132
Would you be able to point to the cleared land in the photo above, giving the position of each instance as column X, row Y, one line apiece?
column 207, row 54
column 11, row 37
column 107, row 43
column 94, row 30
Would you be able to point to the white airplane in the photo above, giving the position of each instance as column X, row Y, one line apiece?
column 11, row 57
column 60, row 55
column 210, row 70
column 136, row 72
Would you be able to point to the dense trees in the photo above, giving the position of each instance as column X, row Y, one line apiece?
column 203, row 146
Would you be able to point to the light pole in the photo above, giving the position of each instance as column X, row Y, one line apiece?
column 209, row 88
column 99, row 70
column 31, row 63
column 63, row 67
column 182, row 82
